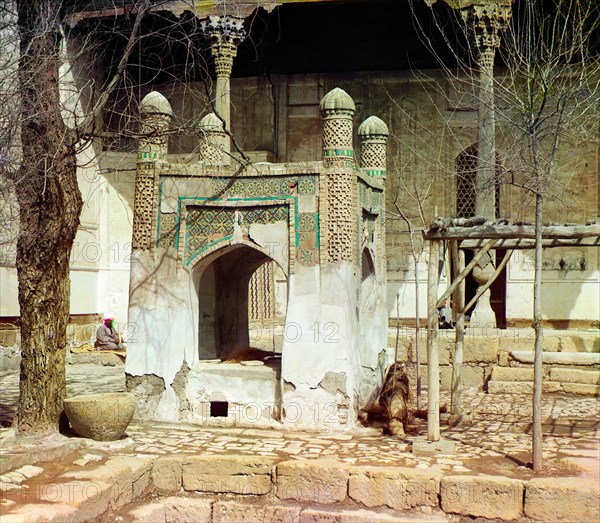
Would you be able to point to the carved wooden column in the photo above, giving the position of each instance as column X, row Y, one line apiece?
column 226, row 33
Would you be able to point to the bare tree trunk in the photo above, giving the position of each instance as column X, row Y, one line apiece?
column 539, row 338
column 50, row 204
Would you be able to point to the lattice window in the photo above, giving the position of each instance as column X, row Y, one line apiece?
column 466, row 172
column 261, row 299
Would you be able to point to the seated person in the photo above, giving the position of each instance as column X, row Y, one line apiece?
column 445, row 316
column 107, row 338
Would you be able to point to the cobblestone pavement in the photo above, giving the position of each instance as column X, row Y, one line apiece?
column 494, row 439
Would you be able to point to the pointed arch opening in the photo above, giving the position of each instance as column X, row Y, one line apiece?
column 222, row 281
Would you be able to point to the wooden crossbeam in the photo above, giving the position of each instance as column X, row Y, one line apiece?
column 512, row 232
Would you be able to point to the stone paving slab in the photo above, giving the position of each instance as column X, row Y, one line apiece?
column 494, row 439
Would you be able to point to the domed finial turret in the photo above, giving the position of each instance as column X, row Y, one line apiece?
column 373, row 126
column 337, row 100
column 337, row 109
column 212, row 138
column 154, row 102
column 373, row 134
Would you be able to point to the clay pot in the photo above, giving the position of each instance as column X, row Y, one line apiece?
column 103, row 417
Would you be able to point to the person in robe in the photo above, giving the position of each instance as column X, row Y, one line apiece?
column 107, row 338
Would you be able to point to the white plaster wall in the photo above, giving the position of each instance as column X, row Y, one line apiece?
column 321, row 335
column 401, row 289
column 114, row 188
column 251, row 392
column 566, row 294
column 9, row 288
column 373, row 335
column 163, row 319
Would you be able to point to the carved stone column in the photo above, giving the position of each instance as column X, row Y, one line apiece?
column 226, row 33
column 487, row 20
column 155, row 114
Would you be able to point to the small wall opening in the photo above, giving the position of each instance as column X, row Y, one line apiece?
column 219, row 409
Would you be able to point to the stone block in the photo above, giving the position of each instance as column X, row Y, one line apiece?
column 591, row 344
column 563, row 499
column 471, row 376
column 480, row 350
column 315, row 515
column 10, row 361
column 8, row 337
column 482, row 496
column 558, row 358
column 167, row 473
column 445, row 349
column 512, row 374
column 572, row 344
column 174, row 510
column 503, row 358
column 235, row 511
column 111, row 360
column 396, row 487
column 521, row 387
column 581, row 389
column 319, row 481
column 408, row 348
column 422, row 447
column 523, row 341
column 227, row 474
column 588, row 377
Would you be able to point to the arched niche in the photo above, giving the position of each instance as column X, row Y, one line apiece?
column 221, row 281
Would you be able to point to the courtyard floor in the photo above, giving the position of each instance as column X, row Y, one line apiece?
column 494, row 439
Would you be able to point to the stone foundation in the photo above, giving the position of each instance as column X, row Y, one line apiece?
column 246, row 488
column 501, row 361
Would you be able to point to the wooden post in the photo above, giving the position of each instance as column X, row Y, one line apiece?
column 458, row 264
column 433, row 369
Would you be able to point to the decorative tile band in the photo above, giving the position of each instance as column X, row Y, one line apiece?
column 145, row 155
column 271, row 186
column 375, row 172
column 207, row 226
column 328, row 153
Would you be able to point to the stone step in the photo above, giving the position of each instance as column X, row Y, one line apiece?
column 526, row 387
column 175, row 508
column 589, row 376
column 507, row 340
column 583, row 376
column 558, row 358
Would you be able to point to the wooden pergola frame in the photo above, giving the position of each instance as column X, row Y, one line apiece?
column 482, row 238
